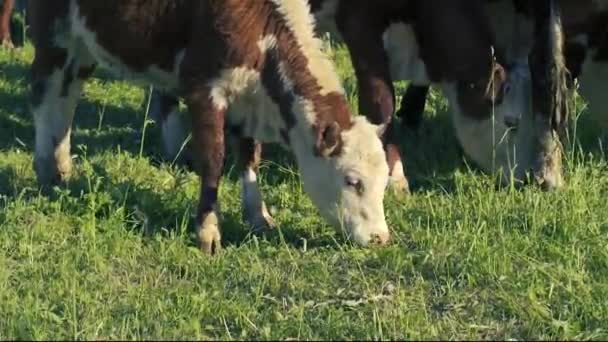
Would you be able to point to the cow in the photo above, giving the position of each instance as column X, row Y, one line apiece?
column 223, row 57
column 530, row 39
column 5, row 21
column 406, row 40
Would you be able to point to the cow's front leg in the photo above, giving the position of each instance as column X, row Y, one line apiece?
column 208, row 144
column 549, row 93
column 5, row 23
column 254, row 208
column 376, row 92
column 412, row 105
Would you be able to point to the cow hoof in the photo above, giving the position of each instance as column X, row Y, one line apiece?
column 209, row 237
column 399, row 185
column 397, row 180
column 259, row 220
column 50, row 173
column 550, row 183
column 7, row 44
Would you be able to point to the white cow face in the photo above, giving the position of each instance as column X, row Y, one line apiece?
column 348, row 188
column 505, row 140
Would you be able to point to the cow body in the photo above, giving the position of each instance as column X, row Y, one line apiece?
column 221, row 57
column 392, row 40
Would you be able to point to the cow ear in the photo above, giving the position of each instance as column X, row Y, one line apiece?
column 329, row 140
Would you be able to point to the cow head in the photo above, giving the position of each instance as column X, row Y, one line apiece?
column 346, row 176
column 496, row 127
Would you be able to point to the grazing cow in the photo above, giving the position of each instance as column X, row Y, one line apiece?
column 529, row 38
column 225, row 58
column 5, row 20
column 406, row 40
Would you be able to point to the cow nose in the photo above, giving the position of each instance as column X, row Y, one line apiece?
column 379, row 239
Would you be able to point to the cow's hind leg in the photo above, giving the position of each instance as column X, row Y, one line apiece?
column 57, row 78
column 254, row 208
column 376, row 93
column 412, row 105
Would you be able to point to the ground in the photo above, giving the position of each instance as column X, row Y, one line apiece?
column 111, row 254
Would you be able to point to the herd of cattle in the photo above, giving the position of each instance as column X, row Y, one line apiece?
column 507, row 67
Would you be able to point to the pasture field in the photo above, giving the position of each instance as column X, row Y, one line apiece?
column 111, row 255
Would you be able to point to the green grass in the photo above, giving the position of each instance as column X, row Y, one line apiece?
column 111, row 254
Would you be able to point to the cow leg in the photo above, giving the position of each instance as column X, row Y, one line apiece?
column 412, row 105
column 5, row 20
column 550, row 92
column 165, row 111
column 376, row 92
column 57, row 79
column 254, row 208
column 209, row 147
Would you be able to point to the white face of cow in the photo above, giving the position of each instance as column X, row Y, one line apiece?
column 505, row 141
column 348, row 189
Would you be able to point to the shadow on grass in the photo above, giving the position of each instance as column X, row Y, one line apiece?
column 150, row 213
column 162, row 215
column 120, row 125
column 430, row 153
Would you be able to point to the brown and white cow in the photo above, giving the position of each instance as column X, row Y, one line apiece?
column 406, row 40
column 222, row 57
column 5, row 20
column 524, row 132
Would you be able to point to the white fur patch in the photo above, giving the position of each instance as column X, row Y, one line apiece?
column 516, row 100
column 174, row 135
column 402, row 48
column 232, row 83
column 301, row 23
column 267, row 43
column 248, row 105
column 490, row 143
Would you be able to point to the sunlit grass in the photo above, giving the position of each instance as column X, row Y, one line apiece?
column 111, row 254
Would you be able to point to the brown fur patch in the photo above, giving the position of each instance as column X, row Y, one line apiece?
column 5, row 19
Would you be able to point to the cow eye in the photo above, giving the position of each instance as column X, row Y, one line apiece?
column 354, row 183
